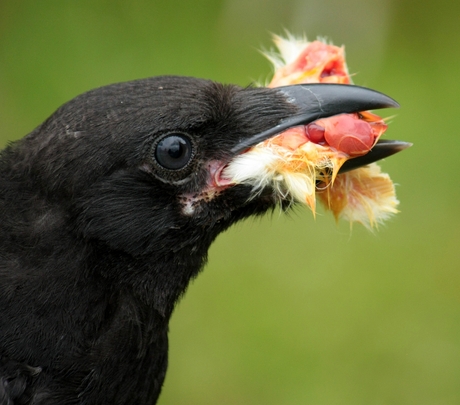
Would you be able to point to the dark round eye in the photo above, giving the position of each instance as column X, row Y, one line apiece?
column 174, row 151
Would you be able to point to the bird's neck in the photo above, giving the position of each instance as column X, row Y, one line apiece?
column 155, row 282
column 135, row 331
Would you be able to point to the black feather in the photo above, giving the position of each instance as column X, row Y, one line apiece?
column 95, row 245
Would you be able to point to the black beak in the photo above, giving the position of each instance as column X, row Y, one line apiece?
column 314, row 101
column 382, row 149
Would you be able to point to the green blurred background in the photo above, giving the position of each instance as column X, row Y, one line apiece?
column 289, row 310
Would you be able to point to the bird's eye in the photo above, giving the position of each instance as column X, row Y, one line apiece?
column 174, row 151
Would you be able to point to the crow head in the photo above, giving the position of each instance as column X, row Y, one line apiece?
column 135, row 169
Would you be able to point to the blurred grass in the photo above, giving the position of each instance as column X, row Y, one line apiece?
column 289, row 309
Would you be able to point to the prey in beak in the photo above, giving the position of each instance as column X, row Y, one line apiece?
column 315, row 101
column 328, row 148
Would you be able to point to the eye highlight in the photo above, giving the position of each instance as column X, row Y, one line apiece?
column 174, row 151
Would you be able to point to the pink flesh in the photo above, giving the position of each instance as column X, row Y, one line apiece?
column 216, row 180
column 345, row 133
column 348, row 134
column 315, row 133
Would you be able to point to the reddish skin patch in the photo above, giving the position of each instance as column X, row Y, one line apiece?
column 215, row 180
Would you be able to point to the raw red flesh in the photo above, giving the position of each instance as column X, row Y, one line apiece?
column 352, row 134
column 346, row 133
column 315, row 133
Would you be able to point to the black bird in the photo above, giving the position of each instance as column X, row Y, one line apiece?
column 107, row 211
